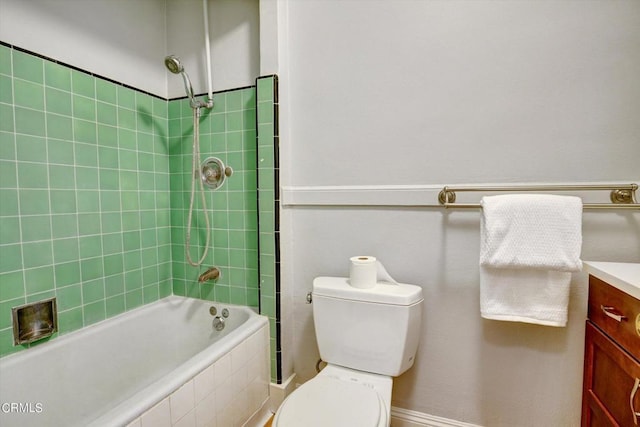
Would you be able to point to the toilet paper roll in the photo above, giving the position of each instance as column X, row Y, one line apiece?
column 363, row 272
column 366, row 271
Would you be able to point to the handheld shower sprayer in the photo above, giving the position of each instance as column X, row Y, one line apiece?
column 174, row 65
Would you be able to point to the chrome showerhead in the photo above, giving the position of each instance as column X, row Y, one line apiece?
column 173, row 64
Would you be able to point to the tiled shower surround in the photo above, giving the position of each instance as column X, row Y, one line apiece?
column 94, row 196
column 228, row 132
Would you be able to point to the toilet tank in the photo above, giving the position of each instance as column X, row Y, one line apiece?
column 373, row 330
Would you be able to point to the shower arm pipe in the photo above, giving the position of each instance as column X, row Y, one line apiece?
column 207, row 48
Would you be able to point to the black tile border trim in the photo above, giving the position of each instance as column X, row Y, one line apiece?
column 276, row 218
column 73, row 67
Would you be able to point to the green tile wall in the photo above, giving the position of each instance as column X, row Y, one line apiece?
column 84, row 193
column 95, row 188
column 228, row 132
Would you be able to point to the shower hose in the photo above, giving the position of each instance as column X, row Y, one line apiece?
column 195, row 176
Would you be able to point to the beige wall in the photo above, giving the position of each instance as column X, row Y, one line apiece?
column 427, row 93
column 127, row 40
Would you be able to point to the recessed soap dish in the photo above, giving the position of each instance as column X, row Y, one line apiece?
column 34, row 321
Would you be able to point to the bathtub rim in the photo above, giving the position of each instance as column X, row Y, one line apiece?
column 146, row 398
column 157, row 391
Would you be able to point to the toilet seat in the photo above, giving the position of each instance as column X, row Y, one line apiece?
column 326, row 401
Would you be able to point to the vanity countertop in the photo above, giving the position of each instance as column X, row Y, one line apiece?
column 623, row 275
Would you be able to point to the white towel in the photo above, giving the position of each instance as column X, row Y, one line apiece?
column 530, row 244
column 532, row 231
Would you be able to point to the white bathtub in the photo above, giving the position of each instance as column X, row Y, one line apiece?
column 159, row 365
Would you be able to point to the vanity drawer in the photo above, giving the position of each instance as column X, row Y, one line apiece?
column 616, row 313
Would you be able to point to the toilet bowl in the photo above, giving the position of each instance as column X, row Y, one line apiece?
column 338, row 397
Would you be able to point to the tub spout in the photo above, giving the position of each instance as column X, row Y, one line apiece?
column 211, row 274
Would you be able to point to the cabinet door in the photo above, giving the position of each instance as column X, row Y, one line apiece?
column 609, row 383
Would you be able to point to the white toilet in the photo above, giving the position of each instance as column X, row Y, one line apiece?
column 366, row 336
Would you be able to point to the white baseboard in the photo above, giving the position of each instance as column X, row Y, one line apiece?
column 408, row 418
column 279, row 392
column 260, row 417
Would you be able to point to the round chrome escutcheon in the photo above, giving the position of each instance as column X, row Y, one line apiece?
column 213, row 172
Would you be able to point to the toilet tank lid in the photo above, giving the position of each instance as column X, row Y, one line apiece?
column 382, row 293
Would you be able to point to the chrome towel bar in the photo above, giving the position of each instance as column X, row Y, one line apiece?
column 622, row 196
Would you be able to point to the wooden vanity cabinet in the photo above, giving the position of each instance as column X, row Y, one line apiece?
column 611, row 388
